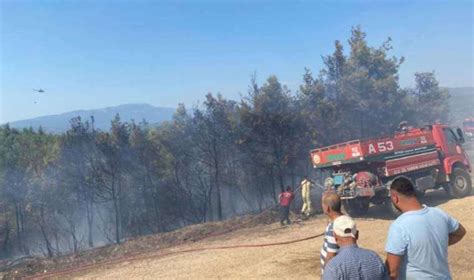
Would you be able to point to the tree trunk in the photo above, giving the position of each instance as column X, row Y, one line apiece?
column 280, row 178
column 18, row 227
column 154, row 199
column 45, row 236
column 272, row 185
column 215, row 156
column 361, row 117
column 209, row 195
column 90, row 223
column 117, row 221
column 6, row 242
column 26, row 250
column 115, row 199
column 75, row 242
column 278, row 159
column 218, row 189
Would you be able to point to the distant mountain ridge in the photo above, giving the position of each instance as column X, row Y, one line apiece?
column 102, row 117
column 461, row 107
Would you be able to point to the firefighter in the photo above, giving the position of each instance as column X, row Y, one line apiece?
column 286, row 198
column 403, row 126
column 306, row 195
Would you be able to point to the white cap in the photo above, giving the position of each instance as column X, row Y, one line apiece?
column 345, row 226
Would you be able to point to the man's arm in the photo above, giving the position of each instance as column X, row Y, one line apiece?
column 329, row 256
column 396, row 248
column 330, row 273
column 393, row 265
column 331, row 246
column 457, row 235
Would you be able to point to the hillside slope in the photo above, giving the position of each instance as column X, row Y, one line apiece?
column 180, row 254
column 295, row 261
column 292, row 261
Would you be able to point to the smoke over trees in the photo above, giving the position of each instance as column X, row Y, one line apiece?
column 86, row 187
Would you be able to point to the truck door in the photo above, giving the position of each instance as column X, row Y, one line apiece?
column 451, row 142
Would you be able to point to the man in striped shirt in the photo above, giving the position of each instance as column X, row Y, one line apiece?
column 331, row 204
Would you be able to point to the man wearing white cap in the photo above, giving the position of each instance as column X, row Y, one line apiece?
column 352, row 262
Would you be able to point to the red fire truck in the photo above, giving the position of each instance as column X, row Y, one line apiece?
column 362, row 170
column 468, row 127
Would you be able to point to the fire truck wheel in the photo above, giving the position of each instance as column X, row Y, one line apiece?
column 460, row 185
column 356, row 206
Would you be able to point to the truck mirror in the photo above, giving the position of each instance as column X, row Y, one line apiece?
column 460, row 135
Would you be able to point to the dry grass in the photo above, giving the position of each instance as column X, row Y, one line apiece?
column 296, row 261
column 141, row 245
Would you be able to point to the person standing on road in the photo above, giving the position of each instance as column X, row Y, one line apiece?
column 418, row 240
column 352, row 262
column 286, row 198
column 306, row 195
column 331, row 204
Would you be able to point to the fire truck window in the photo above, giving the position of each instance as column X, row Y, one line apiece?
column 450, row 137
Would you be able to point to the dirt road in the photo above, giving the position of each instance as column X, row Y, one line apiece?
column 299, row 260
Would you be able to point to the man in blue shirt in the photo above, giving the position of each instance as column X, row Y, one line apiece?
column 352, row 262
column 418, row 240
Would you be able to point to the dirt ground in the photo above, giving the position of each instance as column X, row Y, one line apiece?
column 298, row 260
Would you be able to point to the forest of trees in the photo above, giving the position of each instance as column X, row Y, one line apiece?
column 83, row 188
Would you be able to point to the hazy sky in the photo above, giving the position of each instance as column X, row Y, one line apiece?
column 92, row 54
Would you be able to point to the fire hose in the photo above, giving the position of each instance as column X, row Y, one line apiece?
column 142, row 255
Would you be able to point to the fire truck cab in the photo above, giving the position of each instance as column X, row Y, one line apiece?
column 363, row 170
